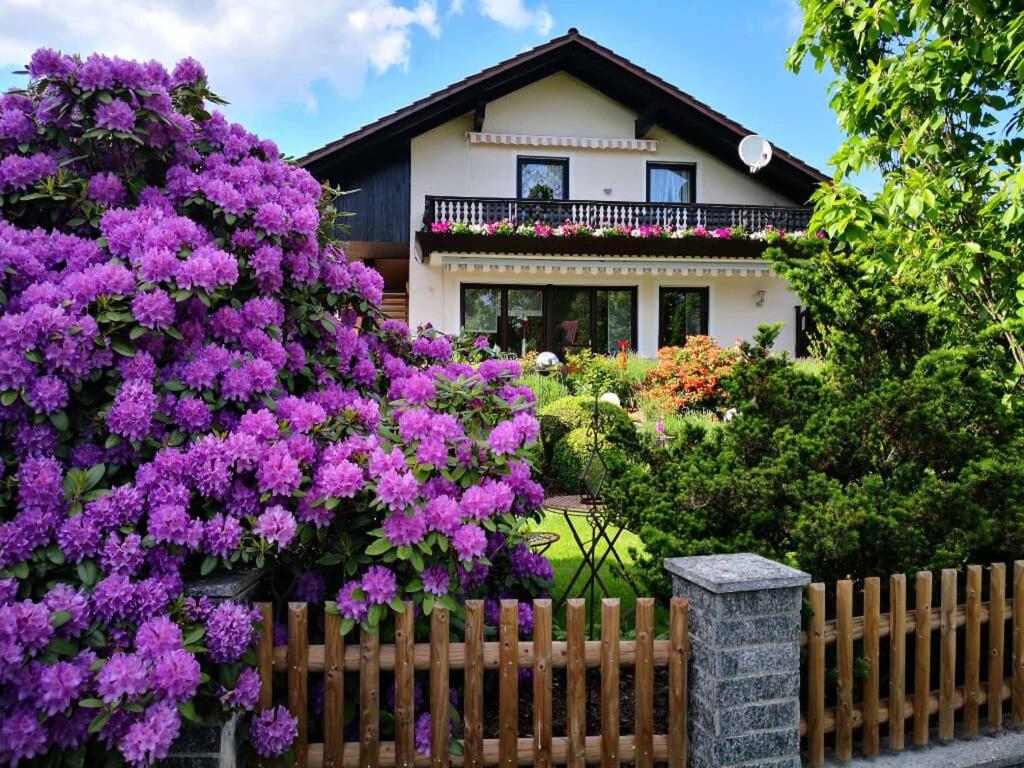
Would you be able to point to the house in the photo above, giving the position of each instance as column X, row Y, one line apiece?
column 487, row 205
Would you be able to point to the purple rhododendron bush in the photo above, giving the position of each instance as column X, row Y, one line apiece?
column 193, row 379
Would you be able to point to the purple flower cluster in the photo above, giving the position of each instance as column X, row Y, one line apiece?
column 273, row 731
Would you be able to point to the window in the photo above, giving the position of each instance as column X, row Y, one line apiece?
column 481, row 310
column 562, row 319
column 671, row 183
column 542, row 178
column 525, row 313
column 683, row 312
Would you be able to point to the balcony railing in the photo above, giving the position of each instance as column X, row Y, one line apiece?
column 606, row 213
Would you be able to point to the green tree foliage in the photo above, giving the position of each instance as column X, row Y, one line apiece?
column 842, row 474
column 929, row 94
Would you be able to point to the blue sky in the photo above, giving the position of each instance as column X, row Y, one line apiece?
column 304, row 72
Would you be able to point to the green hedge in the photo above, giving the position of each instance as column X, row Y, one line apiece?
column 568, row 413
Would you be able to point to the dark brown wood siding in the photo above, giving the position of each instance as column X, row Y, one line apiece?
column 379, row 197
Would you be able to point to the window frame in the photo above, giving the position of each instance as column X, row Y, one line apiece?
column 547, row 294
column 703, row 291
column 522, row 160
column 660, row 164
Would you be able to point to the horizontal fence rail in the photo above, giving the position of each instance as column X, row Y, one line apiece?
column 594, row 213
column 471, row 657
column 960, row 645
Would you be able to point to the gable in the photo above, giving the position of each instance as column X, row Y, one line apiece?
column 651, row 98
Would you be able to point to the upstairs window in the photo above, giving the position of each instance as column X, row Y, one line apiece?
column 543, row 178
column 671, row 183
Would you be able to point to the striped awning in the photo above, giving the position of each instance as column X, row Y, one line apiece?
column 577, row 142
column 510, row 263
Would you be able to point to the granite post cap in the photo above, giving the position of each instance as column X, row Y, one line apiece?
column 743, row 572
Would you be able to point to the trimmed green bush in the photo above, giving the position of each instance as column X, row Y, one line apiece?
column 572, row 451
column 568, row 413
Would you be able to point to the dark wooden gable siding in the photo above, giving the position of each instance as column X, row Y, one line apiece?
column 379, row 197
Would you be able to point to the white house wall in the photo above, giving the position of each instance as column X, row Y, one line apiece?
column 443, row 162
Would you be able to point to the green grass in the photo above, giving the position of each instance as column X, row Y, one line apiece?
column 809, row 365
column 547, row 389
column 637, row 367
column 565, row 557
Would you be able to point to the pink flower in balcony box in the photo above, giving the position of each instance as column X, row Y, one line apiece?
column 441, row 227
column 700, row 231
column 542, row 230
column 723, row 233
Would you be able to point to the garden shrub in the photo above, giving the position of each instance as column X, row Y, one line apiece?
column 591, row 375
column 838, row 475
column 689, row 376
column 568, row 413
column 192, row 379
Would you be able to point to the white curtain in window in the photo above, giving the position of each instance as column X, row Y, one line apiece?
column 670, row 185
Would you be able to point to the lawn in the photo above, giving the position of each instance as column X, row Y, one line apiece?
column 565, row 557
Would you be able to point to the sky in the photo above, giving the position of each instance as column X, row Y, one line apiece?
column 305, row 72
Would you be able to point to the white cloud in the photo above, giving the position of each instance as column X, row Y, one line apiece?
column 515, row 15
column 256, row 52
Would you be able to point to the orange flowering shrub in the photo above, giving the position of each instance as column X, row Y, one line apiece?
column 690, row 376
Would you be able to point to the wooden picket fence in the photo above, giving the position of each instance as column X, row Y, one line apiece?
column 962, row 686
column 508, row 655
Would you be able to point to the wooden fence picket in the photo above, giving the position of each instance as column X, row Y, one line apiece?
column 972, row 651
column 678, row 677
column 439, row 720
column 643, row 685
column 405, row 737
column 872, row 656
column 844, row 661
column 298, row 676
column 922, row 656
column 947, row 654
column 897, row 660
column 369, row 699
column 542, row 684
column 610, row 683
column 1017, row 677
column 576, row 683
column 816, row 677
column 473, row 714
column 508, row 685
column 334, row 691
column 996, row 644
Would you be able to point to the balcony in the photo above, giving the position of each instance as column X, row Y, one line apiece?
column 694, row 226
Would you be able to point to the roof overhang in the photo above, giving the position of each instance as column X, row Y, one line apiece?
column 653, row 99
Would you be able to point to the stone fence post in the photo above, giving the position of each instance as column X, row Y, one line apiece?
column 744, row 705
column 214, row 746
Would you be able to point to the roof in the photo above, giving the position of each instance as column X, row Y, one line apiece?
column 654, row 99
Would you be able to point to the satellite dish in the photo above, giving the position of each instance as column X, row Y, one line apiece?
column 755, row 152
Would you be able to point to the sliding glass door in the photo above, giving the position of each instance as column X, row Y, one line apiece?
column 561, row 319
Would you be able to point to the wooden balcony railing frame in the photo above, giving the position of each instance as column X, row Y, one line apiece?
column 599, row 213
